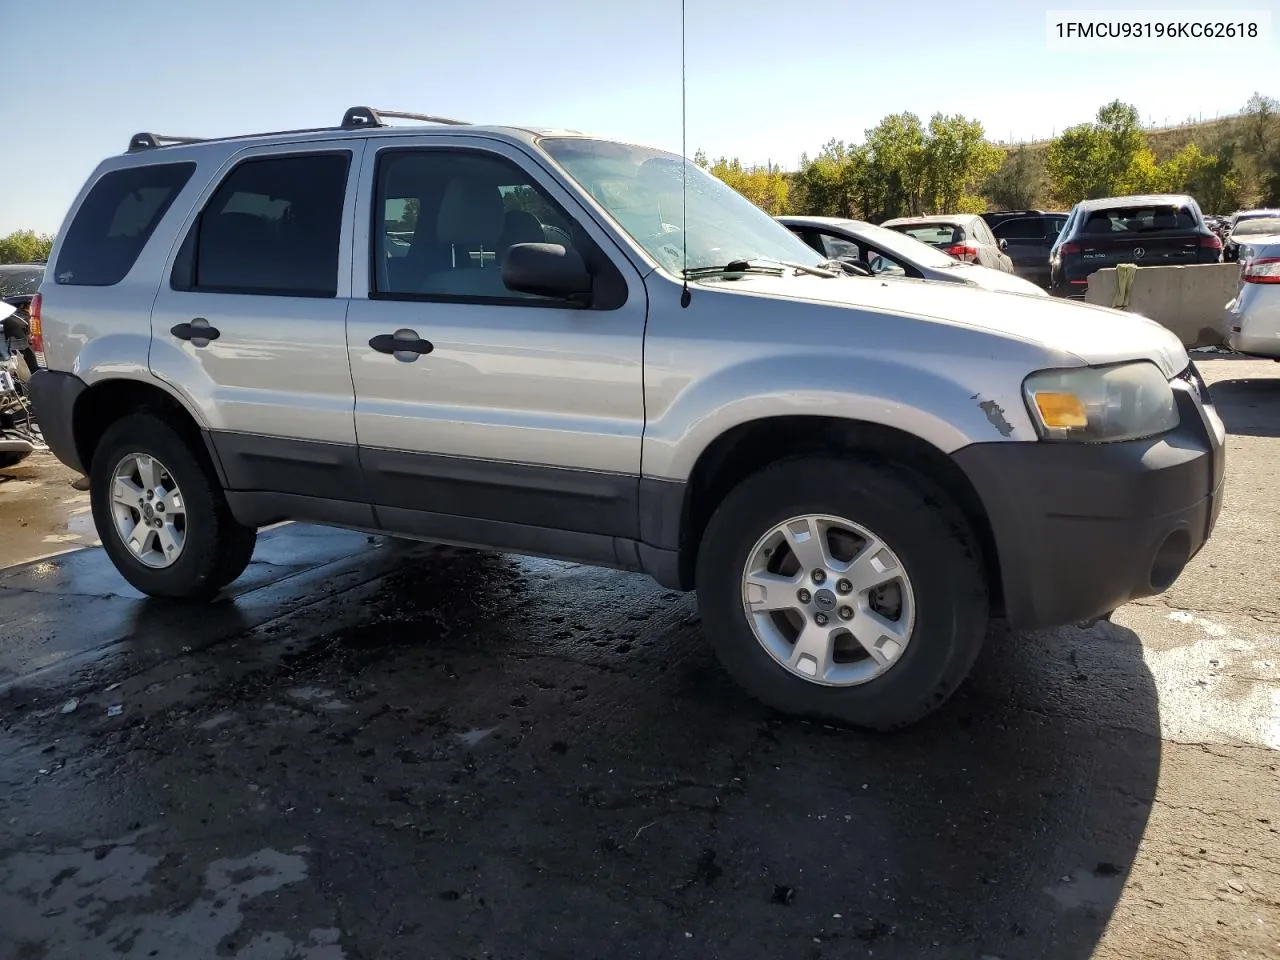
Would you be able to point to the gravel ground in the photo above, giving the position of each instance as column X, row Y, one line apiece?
column 386, row 750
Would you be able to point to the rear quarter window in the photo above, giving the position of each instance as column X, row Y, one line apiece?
column 115, row 222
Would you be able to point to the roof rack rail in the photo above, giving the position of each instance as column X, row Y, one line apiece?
column 149, row 141
column 358, row 117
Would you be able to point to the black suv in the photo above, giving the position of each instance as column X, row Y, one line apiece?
column 1029, row 235
column 1158, row 230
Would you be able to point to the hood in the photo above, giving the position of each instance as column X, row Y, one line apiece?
column 1093, row 334
column 989, row 279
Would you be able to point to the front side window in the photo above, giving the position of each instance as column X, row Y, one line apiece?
column 643, row 190
column 272, row 228
column 116, row 220
column 444, row 221
column 834, row 246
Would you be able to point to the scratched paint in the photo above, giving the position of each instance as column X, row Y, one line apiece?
column 995, row 414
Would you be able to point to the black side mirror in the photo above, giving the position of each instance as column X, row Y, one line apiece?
column 547, row 270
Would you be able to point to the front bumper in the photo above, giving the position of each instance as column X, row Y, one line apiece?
column 1080, row 529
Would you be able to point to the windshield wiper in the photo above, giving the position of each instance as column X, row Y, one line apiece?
column 754, row 265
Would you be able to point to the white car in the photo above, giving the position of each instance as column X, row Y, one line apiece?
column 890, row 253
column 1253, row 317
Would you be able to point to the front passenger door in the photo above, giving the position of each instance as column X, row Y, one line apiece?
column 517, row 423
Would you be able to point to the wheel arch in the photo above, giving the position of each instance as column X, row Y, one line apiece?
column 106, row 401
column 749, row 447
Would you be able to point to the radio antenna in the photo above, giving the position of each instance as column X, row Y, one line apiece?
column 684, row 163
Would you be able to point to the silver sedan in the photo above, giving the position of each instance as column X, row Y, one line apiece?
column 1253, row 317
column 889, row 253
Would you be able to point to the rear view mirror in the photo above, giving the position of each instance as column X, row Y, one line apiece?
column 546, row 270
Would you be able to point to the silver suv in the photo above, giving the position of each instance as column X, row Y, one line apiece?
column 547, row 343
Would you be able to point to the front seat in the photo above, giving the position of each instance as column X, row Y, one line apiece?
column 470, row 222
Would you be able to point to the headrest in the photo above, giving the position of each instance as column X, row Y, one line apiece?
column 470, row 213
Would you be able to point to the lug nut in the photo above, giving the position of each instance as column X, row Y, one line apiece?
column 846, row 613
column 819, row 576
column 844, row 586
column 820, row 619
column 804, row 596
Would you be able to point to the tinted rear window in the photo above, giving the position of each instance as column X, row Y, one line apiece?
column 1139, row 220
column 1025, row 228
column 271, row 228
column 115, row 222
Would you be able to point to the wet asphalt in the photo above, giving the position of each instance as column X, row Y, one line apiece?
column 377, row 749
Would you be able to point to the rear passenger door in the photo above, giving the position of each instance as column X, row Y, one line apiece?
column 518, row 420
column 250, row 322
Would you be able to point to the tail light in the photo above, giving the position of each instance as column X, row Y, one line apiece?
column 36, row 333
column 1068, row 248
column 962, row 252
column 1262, row 270
column 1210, row 242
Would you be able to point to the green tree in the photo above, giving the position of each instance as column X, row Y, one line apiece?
column 25, row 246
column 409, row 218
column 828, row 184
column 767, row 187
column 700, row 159
column 1099, row 159
column 1261, row 118
column 892, row 181
column 1017, row 184
column 956, row 160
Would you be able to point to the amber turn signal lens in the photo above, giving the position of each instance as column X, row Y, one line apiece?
column 1061, row 410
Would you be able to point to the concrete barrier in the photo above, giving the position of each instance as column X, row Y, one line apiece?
column 1188, row 300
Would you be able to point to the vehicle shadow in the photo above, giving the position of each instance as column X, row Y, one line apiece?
column 527, row 758
column 1249, row 407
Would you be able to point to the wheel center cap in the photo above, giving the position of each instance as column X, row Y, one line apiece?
column 148, row 512
column 824, row 600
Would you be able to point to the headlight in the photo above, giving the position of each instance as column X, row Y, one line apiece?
column 1125, row 402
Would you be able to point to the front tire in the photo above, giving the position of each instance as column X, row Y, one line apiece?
column 847, row 591
column 161, row 514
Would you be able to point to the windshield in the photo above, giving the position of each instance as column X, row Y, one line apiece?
column 907, row 247
column 641, row 189
column 16, row 283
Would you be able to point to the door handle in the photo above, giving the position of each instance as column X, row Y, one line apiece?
column 199, row 332
column 405, row 345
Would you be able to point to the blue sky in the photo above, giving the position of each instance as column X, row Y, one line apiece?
column 766, row 80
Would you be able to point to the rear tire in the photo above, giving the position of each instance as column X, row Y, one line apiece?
column 868, row 680
column 213, row 548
